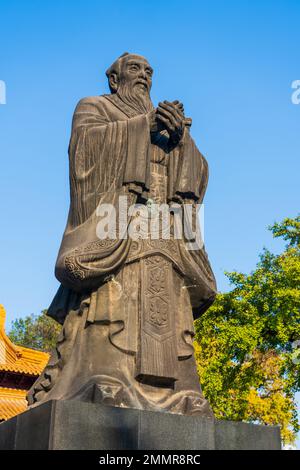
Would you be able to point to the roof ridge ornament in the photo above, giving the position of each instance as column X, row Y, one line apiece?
column 2, row 316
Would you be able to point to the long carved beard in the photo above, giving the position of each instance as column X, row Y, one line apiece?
column 135, row 98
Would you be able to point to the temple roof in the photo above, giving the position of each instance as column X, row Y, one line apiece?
column 18, row 359
column 12, row 402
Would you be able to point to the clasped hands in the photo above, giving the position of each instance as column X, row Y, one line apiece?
column 169, row 116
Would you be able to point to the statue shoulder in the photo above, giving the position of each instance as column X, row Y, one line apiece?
column 91, row 102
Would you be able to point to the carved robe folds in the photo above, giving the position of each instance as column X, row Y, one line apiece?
column 127, row 305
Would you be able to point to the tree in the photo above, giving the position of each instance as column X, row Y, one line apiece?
column 35, row 331
column 247, row 343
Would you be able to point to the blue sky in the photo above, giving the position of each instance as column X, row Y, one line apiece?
column 231, row 64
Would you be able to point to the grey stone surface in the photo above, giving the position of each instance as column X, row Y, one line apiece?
column 33, row 430
column 168, row 431
column 79, row 425
column 7, row 434
column 76, row 425
column 230, row 435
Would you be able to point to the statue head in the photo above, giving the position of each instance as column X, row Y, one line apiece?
column 130, row 76
column 132, row 69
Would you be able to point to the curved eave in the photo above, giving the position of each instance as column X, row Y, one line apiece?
column 28, row 362
column 17, row 359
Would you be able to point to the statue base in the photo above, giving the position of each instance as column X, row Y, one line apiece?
column 77, row 425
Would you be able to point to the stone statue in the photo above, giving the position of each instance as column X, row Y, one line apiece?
column 127, row 304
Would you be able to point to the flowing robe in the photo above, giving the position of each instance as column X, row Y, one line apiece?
column 127, row 306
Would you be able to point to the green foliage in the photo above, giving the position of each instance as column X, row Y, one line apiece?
column 35, row 331
column 288, row 229
column 245, row 343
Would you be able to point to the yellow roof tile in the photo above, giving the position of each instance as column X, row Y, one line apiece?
column 17, row 358
column 12, row 402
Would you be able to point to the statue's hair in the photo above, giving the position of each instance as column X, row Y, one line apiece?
column 115, row 67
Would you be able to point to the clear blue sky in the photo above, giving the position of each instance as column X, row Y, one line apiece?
column 231, row 63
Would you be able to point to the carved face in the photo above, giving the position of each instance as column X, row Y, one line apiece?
column 131, row 78
column 136, row 74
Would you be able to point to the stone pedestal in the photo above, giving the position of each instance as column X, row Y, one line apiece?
column 77, row 425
